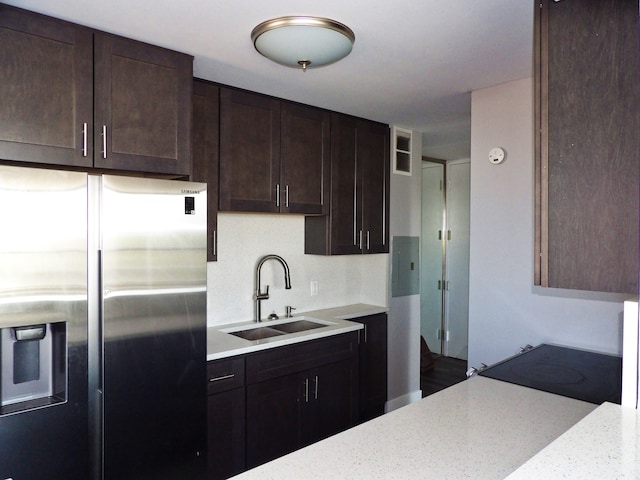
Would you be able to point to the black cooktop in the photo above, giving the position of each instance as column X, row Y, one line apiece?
column 583, row 375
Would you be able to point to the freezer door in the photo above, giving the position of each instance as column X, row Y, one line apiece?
column 43, row 324
column 154, row 328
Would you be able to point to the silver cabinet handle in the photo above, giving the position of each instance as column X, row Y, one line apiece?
column 368, row 241
column 277, row 195
column 306, row 390
column 286, row 196
column 214, row 246
column 223, row 377
column 360, row 240
column 104, row 141
column 84, row 139
column 316, row 388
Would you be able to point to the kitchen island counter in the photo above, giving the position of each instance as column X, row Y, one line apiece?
column 480, row 428
column 606, row 444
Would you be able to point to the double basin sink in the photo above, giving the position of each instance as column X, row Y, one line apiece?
column 277, row 328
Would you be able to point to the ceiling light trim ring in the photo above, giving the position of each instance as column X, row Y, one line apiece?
column 302, row 21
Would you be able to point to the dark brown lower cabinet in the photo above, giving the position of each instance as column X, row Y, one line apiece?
column 226, row 418
column 274, row 418
column 373, row 366
column 266, row 404
column 300, row 394
column 226, row 428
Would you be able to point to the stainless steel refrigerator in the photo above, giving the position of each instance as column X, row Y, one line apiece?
column 102, row 326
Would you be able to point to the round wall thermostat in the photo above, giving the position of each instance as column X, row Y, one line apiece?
column 496, row 155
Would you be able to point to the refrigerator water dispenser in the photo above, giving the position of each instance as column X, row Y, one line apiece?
column 33, row 363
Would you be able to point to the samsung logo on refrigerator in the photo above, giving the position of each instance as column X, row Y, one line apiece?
column 186, row 191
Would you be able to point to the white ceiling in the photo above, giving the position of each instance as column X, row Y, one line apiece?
column 413, row 63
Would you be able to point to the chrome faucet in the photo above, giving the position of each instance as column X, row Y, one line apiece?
column 259, row 295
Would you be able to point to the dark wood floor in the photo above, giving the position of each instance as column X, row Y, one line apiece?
column 447, row 371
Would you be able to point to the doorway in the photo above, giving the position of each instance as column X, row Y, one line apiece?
column 444, row 292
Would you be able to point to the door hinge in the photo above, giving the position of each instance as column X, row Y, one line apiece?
column 443, row 335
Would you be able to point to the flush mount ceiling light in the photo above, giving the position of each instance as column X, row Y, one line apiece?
column 303, row 42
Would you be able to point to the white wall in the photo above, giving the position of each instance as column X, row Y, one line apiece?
column 505, row 310
column 244, row 238
column 404, row 314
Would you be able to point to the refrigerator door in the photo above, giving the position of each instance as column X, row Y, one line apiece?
column 154, row 328
column 43, row 324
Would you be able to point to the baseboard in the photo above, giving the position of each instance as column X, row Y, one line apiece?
column 403, row 401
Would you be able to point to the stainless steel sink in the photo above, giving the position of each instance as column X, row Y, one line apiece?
column 257, row 333
column 277, row 328
column 298, row 326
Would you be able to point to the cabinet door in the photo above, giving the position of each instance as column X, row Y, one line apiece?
column 249, row 152
column 206, row 141
column 46, row 89
column 359, row 212
column 587, row 162
column 274, row 418
column 346, row 212
column 142, row 107
column 305, row 160
column 332, row 399
column 373, row 160
column 373, row 366
column 226, row 434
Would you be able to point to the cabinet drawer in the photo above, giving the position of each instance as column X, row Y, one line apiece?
column 225, row 374
column 294, row 358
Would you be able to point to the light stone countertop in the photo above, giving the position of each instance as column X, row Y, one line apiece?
column 605, row 445
column 221, row 344
column 478, row 429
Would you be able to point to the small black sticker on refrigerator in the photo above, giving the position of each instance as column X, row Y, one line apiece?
column 189, row 205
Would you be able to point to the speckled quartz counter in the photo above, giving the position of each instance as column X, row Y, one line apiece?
column 221, row 344
column 606, row 444
column 478, row 429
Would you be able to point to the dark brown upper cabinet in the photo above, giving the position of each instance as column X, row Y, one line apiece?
column 206, row 143
column 46, row 89
column 274, row 155
column 587, row 157
column 359, row 218
column 142, row 107
column 67, row 92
